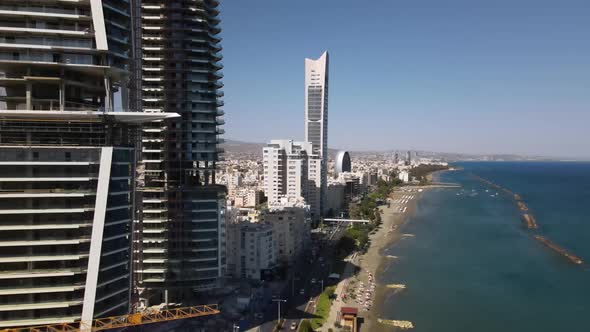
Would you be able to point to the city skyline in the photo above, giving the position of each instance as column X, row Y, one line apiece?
column 465, row 84
column 122, row 205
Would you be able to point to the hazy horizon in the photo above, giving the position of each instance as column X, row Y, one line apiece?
column 394, row 148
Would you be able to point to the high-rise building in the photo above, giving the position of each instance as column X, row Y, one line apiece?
column 292, row 170
column 66, row 205
column 63, row 55
column 182, row 242
column 316, row 114
column 67, row 161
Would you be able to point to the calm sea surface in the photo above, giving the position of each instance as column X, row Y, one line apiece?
column 472, row 266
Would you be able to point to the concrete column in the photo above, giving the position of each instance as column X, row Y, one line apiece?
column 108, row 98
column 29, row 96
column 62, row 96
column 100, row 209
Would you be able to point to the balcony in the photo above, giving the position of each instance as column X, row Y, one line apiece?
column 217, row 56
column 39, row 305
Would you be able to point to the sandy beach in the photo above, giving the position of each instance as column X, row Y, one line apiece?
column 363, row 289
column 374, row 261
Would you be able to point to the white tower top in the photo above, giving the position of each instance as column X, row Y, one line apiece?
column 316, row 104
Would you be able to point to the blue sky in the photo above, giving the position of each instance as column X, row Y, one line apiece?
column 452, row 76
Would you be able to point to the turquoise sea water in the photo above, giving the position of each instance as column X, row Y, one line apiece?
column 473, row 266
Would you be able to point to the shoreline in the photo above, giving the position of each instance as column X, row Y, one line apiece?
column 376, row 262
column 362, row 286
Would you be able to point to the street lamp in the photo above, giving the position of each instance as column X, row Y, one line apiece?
column 278, row 301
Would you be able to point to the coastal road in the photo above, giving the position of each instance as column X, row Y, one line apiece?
column 308, row 278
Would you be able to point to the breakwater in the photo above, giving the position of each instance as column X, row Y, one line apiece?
column 530, row 222
column 402, row 324
column 571, row 257
column 527, row 217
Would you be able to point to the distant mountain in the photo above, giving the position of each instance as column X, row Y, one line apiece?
column 235, row 148
column 239, row 149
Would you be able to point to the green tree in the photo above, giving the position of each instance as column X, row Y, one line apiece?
column 305, row 326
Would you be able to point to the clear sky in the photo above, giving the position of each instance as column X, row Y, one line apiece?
column 501, row 76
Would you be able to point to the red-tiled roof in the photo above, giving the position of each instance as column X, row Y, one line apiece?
column 349, row 310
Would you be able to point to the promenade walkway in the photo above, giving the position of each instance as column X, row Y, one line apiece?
column 337, row 304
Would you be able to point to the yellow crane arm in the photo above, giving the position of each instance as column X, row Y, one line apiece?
column 107, row 323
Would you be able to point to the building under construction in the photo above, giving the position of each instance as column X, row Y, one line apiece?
column 180, row 239
column 67, row 160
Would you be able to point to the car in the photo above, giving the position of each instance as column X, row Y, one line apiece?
column 313, row 280
column 302, row 291
column 294, row 326
column 258, row 315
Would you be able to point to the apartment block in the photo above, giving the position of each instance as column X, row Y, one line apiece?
column 251, row 250
column 292, row 171
column 291, row 224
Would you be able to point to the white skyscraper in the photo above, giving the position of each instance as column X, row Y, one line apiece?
column 292, row 170
column 316, row 114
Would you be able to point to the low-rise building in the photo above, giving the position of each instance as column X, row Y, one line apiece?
column 251, row 252
column 291, row 224
column 404, row 176
column 246, row 197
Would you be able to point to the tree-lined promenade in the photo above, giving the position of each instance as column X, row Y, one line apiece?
column 357, row 236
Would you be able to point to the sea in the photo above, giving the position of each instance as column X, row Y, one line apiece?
column 474, row 266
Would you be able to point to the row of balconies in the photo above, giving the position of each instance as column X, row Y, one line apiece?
column 48, row 12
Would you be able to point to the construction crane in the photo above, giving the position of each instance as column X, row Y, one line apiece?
column 107, row 323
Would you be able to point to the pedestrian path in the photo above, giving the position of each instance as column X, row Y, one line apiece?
column 337, row 304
